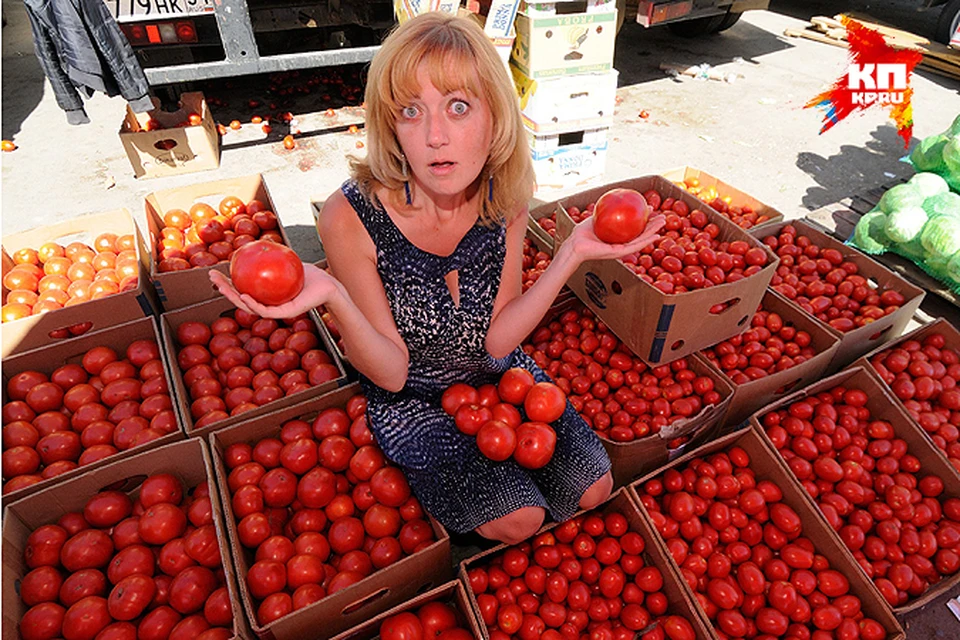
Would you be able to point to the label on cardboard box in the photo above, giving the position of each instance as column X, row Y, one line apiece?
column 566, row 102
column 565, row 44
column 569, row 167
column 500, row 18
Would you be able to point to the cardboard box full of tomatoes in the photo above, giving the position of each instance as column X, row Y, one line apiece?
column 443, row 613
column 83, row 403
column 65, row 279
column 197, row 227
column 325, row 532
column 645, row 415
column 753, row 549
column 745, row 210
column 602, row 566
column 860, row 300
column 229, row 365
column 782, row 350
column 694, row 287
column 135, row 548
column 921, row 371
column 169, row 143
column 878, row 480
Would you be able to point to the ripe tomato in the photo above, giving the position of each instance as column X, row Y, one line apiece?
column 536, row 442
column 162, row 487
column 269, row 272
column 131, row 596
column 88, row 549
column 620, row 216
column 436, row 617
column 544, row 402
column 42, row 622
column 496, row 440
column 191, row 588
column 86, row 618
column 162, row 523
column 389, row 486
column 458, row 395
column 514, row 385
column 107, row 508
column 403, row 626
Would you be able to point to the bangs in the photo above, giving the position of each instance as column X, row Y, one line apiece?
column 448, row 55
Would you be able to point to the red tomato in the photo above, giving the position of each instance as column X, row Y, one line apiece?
column 544, row 402
column 162, row 523
column 42, row 622
column 191, row 588
column 107, row 508
column 86, row 618
column 458, row 395
column 536, row 442
column 620, row 215
column 162, row 487
column 40, row 585
column 131, row 596
column 436, row 617
column 389, row 486
column 403, row 626
column 514, row 385
column 269, row 272
column 88, row 549
column 496, row 440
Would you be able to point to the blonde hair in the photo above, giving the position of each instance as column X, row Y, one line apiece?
column 451, row 47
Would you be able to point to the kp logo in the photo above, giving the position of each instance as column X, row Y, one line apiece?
column 878, row 74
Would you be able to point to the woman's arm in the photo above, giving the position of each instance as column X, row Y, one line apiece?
column 515, row 315
column 353, row 295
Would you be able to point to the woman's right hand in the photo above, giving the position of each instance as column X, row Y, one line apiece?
column 319, row 287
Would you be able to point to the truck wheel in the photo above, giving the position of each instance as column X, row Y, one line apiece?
column 949, row 19
column 697, row 27
column 728, row 21
column 621, row 13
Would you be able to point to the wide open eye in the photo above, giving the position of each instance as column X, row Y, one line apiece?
column 459, row 107
column 410, row 112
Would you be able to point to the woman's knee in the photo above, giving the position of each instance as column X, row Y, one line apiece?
column 597, row 492
column 514, row 527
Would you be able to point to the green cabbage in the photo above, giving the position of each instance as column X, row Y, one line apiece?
column 928, row 155
column 902, row 196
column 912, row 250
column 942, row 204
column 903, row 225
column 929, row 184
column 941, row 237
column 951, row 156
column 954, row 129
column 869, row 234
column 953, row 269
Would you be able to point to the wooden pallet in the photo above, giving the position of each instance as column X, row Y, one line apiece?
column 936, row 57
column 839, row 219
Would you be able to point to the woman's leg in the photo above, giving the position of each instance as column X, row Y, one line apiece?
column 598, row 492
column 514, row 527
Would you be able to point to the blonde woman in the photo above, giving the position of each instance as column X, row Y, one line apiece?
column 425, row 243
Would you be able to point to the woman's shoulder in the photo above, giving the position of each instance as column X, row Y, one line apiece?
column 339, row 213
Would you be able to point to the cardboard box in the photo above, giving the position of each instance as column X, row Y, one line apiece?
column 177, row 289
column 940, row 325
column 568, row 160
column 536, row 215
column 49, row 359
column 452, row 593
column 631, row 460
column 35, row 331
column 565, row 44
column 173, row 149
column 207, row 312
column 882, row 406
column 564, row 103
column 755, row 394
column 768, row 466
column 498, row 25
column 564, row 6
column 854, row 344
column 188, row 460
column 656, row 326
column 737, row 198
column 678, row 598
column 357, row 603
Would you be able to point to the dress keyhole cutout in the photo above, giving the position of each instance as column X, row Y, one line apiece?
column 453, row 284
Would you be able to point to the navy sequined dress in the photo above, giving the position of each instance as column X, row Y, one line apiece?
column 457, row 484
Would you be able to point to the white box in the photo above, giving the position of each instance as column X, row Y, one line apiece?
column 553, row 8
column 570, row 159
column 564, row 103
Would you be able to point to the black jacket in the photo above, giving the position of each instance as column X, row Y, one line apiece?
column 80, row 45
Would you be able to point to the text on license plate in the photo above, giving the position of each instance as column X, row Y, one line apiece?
column 141, row 9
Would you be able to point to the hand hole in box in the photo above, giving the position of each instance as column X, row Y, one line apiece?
column 880, row 333
column 787, row 387
column 424, row 588
column 72, row 331
column 677, row 345
column 616, row 287
column 363, row 602
column 722, row 307
column 165, row 145
column 126, row 485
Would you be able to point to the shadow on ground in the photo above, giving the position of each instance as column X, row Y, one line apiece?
column 855, row 168
column 304, row 240
column 640, row 51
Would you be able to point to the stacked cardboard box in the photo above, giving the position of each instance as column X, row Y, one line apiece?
column 562, row 65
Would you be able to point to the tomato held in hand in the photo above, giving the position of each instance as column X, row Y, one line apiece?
column 268, row 271
column 620, row 216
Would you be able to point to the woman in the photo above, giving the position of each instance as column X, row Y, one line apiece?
column 425, row 245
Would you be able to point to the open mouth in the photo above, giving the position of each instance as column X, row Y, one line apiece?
column 441, row 164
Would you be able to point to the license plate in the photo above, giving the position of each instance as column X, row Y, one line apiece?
column 131, row 10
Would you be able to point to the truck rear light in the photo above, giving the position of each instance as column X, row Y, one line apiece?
column 168, row 34
column 186, row 32
column 135, row 33
column 153, row 34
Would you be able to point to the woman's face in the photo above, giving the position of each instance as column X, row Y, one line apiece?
column 446, row 138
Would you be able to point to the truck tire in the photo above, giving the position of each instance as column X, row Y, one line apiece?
column 949, row 18
column 705, row 26
column 621, row 13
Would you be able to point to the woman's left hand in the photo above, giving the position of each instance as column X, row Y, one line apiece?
column 585, row 245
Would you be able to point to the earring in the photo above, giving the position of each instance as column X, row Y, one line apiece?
column 490, row 189
column 406, row 183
